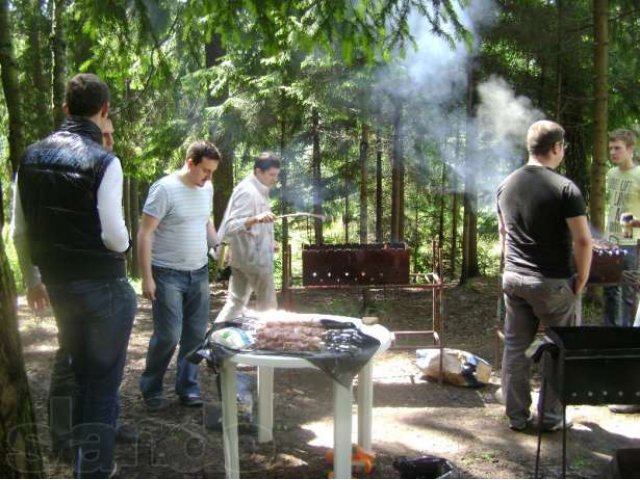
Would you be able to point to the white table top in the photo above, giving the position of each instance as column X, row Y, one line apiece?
column 384, row 336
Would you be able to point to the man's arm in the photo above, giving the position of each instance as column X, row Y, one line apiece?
column 581, row 236
column 114, row 231
column 212, row 236
column 241, row 215
column 37, row 296
column 147, row 226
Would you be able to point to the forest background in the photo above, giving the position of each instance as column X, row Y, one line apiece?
column 395, row 119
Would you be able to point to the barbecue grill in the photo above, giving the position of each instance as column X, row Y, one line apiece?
column 355, row 264
column 607, row 262
column 590, row 366
column 365, row 267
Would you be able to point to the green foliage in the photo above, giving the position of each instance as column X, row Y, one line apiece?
column 280, row 60
column 12, row 258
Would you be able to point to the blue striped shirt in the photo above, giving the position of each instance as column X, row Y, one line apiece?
column 180, row 240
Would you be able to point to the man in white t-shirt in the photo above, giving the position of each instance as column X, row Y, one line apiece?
column 175, row 234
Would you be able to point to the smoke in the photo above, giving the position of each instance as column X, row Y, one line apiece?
column 502, row 117
column 432, row 80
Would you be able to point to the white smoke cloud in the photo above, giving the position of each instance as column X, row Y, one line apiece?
column 432, row 80
column 502, row 117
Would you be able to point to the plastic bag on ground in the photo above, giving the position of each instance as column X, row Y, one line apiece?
column 459, row 367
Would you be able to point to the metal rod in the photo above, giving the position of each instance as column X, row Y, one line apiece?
column 302, row 214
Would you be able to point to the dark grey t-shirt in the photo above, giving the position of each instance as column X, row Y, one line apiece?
column 535, row 202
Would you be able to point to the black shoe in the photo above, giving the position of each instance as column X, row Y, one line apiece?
column 191, row 401
column 155, row 404
column 126, row 435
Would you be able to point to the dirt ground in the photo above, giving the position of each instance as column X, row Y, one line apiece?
column 412, row 416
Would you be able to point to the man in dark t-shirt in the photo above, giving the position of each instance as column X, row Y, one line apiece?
column 542, row 218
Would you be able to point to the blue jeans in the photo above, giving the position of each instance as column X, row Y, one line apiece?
column 94, row 319
column 620, row 300
column 180, row 314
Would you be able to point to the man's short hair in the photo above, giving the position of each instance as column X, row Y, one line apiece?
column 625, row 135
column 266, row 160
column 202, row 149
column 542, row 136
column 86, row 94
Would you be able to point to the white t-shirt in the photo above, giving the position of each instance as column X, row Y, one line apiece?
column 180, row 240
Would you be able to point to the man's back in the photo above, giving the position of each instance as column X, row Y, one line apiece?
column 535, row 203
column 58, row 181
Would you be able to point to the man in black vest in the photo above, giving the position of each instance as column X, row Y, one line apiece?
column 70, row 236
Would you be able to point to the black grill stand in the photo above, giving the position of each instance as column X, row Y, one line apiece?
column 588, row 366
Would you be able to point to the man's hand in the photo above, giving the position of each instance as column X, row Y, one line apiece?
column 265, row 217
column 579, row 284
column 38, row 298
column 149, row 288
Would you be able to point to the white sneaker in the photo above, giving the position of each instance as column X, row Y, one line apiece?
column 624, row 408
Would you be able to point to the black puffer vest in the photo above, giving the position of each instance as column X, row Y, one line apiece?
column 58, row 180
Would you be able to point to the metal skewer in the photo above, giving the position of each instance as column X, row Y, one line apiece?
column 302, row 214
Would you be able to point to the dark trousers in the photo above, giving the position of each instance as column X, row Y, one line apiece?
column 529, row 301
column 620, row 300
column 94, row 319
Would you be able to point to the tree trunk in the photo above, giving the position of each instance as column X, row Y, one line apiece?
column 346, row 218
column 21, row 456
column 223, row 178
column 470, row 219
column 397, row 180
column 379, row 209
column 283, row 182
column 455, row 208
column 58, row 69
column 134, row 216
column 316, row 176
column 364, row 182
column 126, row 209
column 598, row 168
column 454, row 229
column 442, row 206
column 11, row 89
column 40, row 84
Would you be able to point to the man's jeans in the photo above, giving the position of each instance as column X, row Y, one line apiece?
column 620, row 300
column 528, row 301
column 94, row 319
column 180, row 314
column 60, row 403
